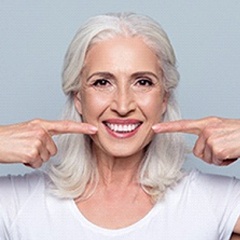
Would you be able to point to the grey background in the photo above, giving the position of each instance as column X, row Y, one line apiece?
column 34, row 36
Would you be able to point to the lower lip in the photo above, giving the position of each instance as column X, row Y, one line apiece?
column 122, row 134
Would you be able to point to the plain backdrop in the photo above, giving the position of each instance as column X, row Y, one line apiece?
column 34, row 36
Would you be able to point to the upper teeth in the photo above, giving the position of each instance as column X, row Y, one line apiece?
column 122, row 127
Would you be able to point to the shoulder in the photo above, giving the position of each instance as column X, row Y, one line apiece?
column 213, row 192
column 196, row 186
column 28, row 178
column 20, row 187
column 207, row 181
column 206, row 204
column 22, row 198
column 209, row 184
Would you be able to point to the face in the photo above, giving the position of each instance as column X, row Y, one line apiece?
column 122, row 95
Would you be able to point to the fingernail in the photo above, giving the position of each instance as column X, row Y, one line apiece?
column 93, row 129
column 155, row 127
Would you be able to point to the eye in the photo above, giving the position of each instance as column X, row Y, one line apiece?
column 101, row 83
column 144, row 82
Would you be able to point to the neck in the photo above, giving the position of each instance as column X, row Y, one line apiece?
column 120, row 171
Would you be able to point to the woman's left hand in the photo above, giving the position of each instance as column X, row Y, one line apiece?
column 218, row 138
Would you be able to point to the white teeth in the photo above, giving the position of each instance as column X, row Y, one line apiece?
column 122, row 127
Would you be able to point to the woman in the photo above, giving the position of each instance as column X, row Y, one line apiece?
column 115, row 178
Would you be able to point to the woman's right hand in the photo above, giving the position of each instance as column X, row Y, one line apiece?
column 31, row 142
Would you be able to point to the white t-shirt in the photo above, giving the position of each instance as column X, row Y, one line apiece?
column 200, row 207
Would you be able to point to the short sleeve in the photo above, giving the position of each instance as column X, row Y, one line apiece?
column 14, row 193
column 223, row 195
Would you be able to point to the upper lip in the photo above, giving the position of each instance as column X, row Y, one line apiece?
column 122, row 121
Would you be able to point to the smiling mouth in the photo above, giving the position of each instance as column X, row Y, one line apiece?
column 122, row 128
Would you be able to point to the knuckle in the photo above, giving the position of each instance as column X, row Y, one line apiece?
column 223, row 155
column 36, row 126
column 207, row 132
column 36, row 121
column 33, row 155
column 214, row 120
column 197, row 153
column 219, row 153
column 66, row 125
column 212, row 123
column 45, row 156
column 211, row 142
column 40, row 133
column 36, row 164
column 36, row 144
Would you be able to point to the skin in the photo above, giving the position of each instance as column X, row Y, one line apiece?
column 218, row 138
column 218, row 141
column 122, row 63
column 32, row 140
column 121, row 82
column 235, row 236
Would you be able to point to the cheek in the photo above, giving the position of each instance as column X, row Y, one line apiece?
column 154, row 106
column 93, row 105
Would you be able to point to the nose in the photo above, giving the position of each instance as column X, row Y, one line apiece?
column 123, row 101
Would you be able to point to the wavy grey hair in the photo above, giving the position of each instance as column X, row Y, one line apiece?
column 75, row 167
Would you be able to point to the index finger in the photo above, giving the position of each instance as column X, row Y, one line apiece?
column 184, row 126
column 66, row 126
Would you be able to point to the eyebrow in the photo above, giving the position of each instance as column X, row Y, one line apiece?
column 101, row 74
column 110, row 75
column 139, row 74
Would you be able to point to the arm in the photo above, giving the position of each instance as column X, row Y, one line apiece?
column 31, row 142
column 218, row 142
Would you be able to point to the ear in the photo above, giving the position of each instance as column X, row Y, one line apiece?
column 78, row 102
column 165, row 102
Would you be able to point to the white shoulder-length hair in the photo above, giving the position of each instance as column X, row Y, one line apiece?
column 75, row 168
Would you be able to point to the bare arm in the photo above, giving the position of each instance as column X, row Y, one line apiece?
column 31, row 142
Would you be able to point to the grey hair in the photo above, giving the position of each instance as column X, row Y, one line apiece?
column 75, row 167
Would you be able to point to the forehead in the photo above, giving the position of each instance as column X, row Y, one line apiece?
column 121, row 54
